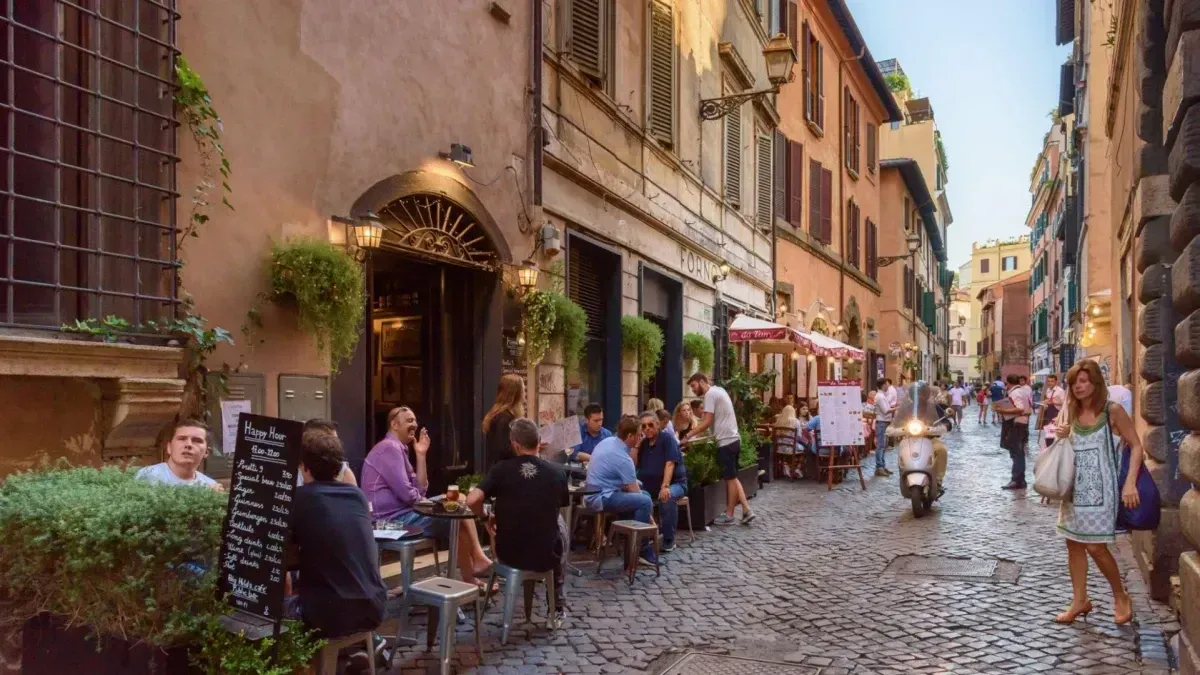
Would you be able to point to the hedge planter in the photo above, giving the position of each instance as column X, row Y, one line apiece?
column 707, row 502
column 47, row 648
column 749, row 480
column 766, row 461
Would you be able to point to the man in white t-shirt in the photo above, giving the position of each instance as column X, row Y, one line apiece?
column 1014, row 432
column 185, row 451
column 719, row 416
column 958, row 397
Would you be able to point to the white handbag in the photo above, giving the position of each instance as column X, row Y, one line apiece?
column 1054, row 470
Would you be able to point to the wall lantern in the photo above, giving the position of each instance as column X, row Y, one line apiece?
column 722, row 273
column 780, row 60
column 914, row 244
column 527, row 275
column 914, row 241
column 368, row 231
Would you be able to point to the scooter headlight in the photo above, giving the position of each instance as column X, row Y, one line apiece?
column 915, row 428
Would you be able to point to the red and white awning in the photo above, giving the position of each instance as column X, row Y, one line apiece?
column 773, row 337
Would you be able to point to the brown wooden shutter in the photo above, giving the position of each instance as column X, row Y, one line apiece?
column 733, row 158
column 585, row 39
column 819, row 82
column 662, row 73
column 762, row 182
column 795, row 183
column 793, row 20
column 827, row 205
column 857, row 133
column 872, row 139
column 780, row 180
column 806, row 71
column 814, row 201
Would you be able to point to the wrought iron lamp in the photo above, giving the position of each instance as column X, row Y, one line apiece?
column 527, row 275
column 368, row 231
column 914, row 244
column 722, row 273
column 780, row 58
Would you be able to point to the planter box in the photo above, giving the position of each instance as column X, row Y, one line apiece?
column 49, row 649
column 749, row 480
column 707, row 503
column 766, row 461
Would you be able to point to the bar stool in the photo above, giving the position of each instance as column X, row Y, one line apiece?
column 328, row 657
column 408, row 549
column 443, row 597
column 515, row 579
column 634, row 532
column 687, row 508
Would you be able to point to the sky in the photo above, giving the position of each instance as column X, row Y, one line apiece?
column 990, row 70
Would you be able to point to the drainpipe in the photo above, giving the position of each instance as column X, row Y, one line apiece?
column 842, row 181
column 536, row 131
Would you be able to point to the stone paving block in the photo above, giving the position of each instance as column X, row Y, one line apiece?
column 1181, row 16
column 1182, row 86
column 1189, row 457
column 1154, row 241
column 1184, row 159
column 1153, row 326
column 1154, row 442
column 1153, row 406
column 1153, row 363
column 1187, row 341
column 1189, row 399
column 1185, row 221
column 1189, row 517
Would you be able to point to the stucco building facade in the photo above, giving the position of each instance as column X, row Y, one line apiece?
column 993, row 261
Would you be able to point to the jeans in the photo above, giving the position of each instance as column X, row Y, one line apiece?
column 1013, row 438
column 635, row 505
column 668, row 513
column 880, row 443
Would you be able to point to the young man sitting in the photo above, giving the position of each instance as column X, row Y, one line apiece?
column 185, row 452
column 340, row 590
column 613, row 474
column 529, row 532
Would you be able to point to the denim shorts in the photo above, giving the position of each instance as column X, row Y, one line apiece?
column 727, row 459
column 437, row 528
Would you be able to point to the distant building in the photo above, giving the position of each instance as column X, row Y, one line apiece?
column 1004, row 327
column 993, row 261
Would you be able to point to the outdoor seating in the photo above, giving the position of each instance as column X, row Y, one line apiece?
column 514, row 581
column 784, row 442
column 686, row 505
column 634, row 533
column 328, row 656
column 443, row 597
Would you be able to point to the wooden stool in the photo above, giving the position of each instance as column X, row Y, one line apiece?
column 327, row 658
column 634, row 532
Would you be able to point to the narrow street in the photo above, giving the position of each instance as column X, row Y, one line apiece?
column 807, row 587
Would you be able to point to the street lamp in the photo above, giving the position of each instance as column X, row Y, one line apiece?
column 368, row 231
column 914, row 244
column 780, row 59
column 527, row 275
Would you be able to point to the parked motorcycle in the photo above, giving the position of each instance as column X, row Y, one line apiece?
column 916, row 424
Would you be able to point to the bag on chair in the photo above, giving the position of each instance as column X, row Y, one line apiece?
column 1054, row 470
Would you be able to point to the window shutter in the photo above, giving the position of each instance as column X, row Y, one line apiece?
column 872, row 250
column 872, row 151
column 793, row 19
column 907, row 289
column 733, row 159
column 827, row 206
column 806, row 71
column 662, row 72
column 585, row 39
column 780, row 179
column 857, row 134
column 847, row 148
column 814, row 200
column 819, row 81
column 795, row 196
column 762, row 183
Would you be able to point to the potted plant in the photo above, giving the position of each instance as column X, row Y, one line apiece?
column 698, row 352
column 748, row 463
column 706, row 493
column 105, row 573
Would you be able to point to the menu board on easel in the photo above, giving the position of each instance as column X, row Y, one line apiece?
column 840, row 406
column 265, row 465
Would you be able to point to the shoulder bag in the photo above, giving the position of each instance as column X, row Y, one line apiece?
column 1146, row 514
column 1054, row 470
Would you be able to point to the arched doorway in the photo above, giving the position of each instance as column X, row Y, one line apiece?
column 433, row 335
column 853, row 370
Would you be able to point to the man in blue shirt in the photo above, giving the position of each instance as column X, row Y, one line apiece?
column 613, row 474
column 592, row 431
column 660, row 470
column 998, row 391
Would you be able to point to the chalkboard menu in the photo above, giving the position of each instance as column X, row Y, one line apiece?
column 512, row 356
column 265, row 465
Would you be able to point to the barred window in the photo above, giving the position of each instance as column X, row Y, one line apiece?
column 87, row 160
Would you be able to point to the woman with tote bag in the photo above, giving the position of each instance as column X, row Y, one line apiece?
column 1088, row 519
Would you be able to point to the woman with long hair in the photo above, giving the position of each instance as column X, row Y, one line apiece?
column 1088, row 519
column 509, row 405
column 682, row 419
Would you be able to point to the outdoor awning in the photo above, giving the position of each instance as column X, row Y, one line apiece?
column 771, row 337
column 1043, row 372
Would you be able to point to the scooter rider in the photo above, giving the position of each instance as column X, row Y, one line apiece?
column 926, row 412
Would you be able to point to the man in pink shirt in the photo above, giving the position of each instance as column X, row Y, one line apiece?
column 1014, row 430
column 393, row 487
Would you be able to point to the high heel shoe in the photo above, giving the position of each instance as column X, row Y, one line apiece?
column 1071, row 614
column 1122, row 620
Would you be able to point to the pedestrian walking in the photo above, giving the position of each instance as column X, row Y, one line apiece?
column 884, row 409
column 1088, row 520
column 719, row 416
column 958, row 398
column 1014, row 430
column 1050, row 407
column 981, row 398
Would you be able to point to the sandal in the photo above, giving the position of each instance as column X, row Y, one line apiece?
column 1072, row 613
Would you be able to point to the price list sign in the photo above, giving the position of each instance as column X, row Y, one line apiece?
column 265, row 465
column 840, row 406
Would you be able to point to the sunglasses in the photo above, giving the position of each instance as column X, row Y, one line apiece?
column 649, row 425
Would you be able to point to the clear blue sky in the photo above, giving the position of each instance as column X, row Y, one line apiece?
column 991, row 70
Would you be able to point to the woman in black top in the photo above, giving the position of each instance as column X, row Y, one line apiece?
column 509, row 405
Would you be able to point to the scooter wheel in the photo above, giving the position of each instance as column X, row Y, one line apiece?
column 918, row 503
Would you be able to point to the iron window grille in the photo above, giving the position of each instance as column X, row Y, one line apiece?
column 88, row 158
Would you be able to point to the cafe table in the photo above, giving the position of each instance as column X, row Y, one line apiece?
column 437, row 509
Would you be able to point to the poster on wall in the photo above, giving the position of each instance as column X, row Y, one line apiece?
column 840, row 406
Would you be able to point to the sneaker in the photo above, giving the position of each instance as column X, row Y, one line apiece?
column 747, row 518
column 880, row 471
column 560, row 616
column 667, row 548
column 724, row 520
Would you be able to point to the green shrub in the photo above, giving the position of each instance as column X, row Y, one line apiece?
column 699, row 347
column 538, row 324
column 570, row 329
column 643, row 337
column 123, row 557
column 748, row 456
column 329, row 288
column 700, row 461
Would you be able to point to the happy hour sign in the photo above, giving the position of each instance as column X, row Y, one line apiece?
column 265, row 466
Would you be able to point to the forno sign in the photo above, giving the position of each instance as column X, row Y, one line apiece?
column 696, row 265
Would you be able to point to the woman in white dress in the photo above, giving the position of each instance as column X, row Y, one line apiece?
column 786, row 419
column 1088, row 520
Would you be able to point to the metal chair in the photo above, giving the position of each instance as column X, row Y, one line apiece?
column 515, row 579
column 443, row 597
column 634, row 532
column 686, row 505
column 327, row 658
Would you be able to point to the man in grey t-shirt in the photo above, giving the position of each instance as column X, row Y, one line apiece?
column 185, row 451
column 720, row 418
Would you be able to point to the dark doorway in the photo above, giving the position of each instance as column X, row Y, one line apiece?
column 662, row 303
column 594, row 282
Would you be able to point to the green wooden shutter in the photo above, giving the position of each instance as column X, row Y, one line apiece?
column 661, row 123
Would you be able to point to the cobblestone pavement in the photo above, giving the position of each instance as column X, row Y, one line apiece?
column 805, row 584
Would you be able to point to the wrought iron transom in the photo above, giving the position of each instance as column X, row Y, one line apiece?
column 434, row 227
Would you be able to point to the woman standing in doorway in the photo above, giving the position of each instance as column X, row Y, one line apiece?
column 1088, row 519
column 509, row 405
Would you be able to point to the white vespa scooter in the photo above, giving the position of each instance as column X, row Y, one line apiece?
column 916, row 426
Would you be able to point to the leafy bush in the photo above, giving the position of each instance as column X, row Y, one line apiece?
column 700, row 461
column 644, row 337
column 748, row 455
column 125, row 558
column 570, row 329
column 699, row 347
column 747, row 390
column 329, row 288
column 538, row 324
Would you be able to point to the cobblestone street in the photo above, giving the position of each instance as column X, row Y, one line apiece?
column 806, row 585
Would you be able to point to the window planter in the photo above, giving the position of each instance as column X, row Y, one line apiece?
column 48, row 648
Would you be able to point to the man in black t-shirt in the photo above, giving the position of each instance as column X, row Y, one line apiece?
column 529, row 492
column 340, row 590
